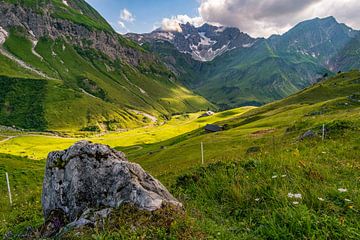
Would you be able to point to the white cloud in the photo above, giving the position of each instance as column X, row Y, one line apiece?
column 173, row 24
column 262, row 18
column 127, row 16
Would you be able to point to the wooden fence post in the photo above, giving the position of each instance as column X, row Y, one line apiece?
column 202, row 153
column 8, row 186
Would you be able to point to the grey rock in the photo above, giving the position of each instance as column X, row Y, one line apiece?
column 93, row 176
column 307, row 134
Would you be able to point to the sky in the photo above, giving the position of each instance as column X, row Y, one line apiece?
column 259, row 18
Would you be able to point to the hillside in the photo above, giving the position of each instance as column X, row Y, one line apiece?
column 266, row 69
column 259, row 179
column 84, row 75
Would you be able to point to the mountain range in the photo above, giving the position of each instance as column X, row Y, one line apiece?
column 64, row 68
column 242, row 70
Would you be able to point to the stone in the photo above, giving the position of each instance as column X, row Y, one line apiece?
column 94, row 176
column 307, row 134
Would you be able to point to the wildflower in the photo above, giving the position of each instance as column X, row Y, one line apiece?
column 283, row 176
column 347, row 200
column 296, row 195
column 295, row 203
column 321, row 199
column 275, row 176
column 342, row 190
column 323, row 152
column 257, row 199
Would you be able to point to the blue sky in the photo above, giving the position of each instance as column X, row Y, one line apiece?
column 259, row 18
column 146, row 13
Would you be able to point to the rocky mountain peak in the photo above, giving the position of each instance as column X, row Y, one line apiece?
column 203, row 43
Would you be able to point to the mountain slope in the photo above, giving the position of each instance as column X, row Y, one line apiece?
column 320, row 38
column 92, row 78
column 267, row 69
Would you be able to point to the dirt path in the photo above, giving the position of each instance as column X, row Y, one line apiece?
column 7, row 139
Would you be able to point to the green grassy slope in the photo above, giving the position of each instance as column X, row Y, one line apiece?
column 244, row 189
column 87, row 90
column 272, row 68
column 247, row 76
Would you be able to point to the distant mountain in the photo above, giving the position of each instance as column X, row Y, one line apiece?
column 62, row 67
column 202, row 43
column 321, row 39
column 263, row 70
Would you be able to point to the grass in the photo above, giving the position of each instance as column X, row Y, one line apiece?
column 111, row 87
column 35, row 146
column 22, row 103
column 242, row 191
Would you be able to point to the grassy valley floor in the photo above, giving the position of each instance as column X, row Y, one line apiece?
column 259, row 180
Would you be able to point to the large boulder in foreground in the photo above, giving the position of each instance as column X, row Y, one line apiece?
column 93, row 176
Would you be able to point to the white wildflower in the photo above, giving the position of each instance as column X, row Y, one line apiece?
column 347, row 200
column 295, row 203
column 257, row 199
column 275, row 176
column 298, row 195
column 295, row 195
column 321, row 199
column 342, row 190
column 283, row 176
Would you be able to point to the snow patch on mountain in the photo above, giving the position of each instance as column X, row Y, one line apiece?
column 247, row 45
column 166, row 35
column 205, row 41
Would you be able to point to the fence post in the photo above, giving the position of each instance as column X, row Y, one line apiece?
column 323, row 132
column 202, row 153
column 8, row 186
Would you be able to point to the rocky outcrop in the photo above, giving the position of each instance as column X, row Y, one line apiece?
column 94, row 176
column 203, row 43
column 44, row 24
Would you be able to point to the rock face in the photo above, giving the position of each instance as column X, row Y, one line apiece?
column 202, row 43
column 42, row 23
column 92, row 176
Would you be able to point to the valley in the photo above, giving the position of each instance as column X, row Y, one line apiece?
column 255, row 162
column 246, row 137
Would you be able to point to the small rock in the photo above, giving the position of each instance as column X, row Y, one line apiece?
column 308, row 134
column 254, row 149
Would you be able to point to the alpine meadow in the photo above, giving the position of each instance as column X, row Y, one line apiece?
column 179, row 119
